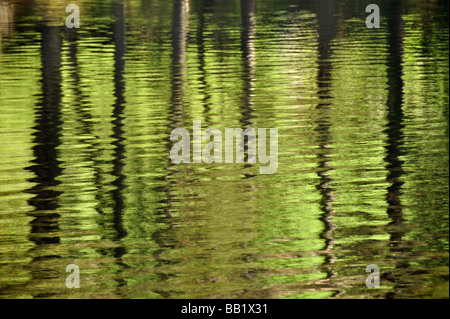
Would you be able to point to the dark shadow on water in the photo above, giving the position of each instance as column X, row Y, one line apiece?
column 46, row 166
column 119, row 35
column 394, row 131
column 326, row 30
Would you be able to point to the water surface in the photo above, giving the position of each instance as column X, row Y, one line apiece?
column 86, row 178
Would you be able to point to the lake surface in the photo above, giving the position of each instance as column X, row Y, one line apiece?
column 363, row 162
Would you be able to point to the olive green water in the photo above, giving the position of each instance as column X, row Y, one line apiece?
column 86, row 179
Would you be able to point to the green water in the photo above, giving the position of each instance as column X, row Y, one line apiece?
column 363, row 162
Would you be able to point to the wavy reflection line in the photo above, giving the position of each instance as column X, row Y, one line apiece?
column 248, row 59
column 180, row 28
column 164, row 238
column 119, row 36
column 86, row 128
column 394, row 130
column 205, row 8
column 46, row 165
column 326, row 31
column 248, row 33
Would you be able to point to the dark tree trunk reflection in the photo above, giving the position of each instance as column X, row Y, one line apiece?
column 47, row 139
column 118, row 132
column 394, row 128
column 326, row 27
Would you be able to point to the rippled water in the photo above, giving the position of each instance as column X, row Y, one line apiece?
column 86, row 178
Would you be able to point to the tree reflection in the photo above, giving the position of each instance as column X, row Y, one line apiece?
column 394, row 127
column 44, row 226
column 326, row 27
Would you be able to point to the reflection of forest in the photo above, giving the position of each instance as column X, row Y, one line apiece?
column 103, row 194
